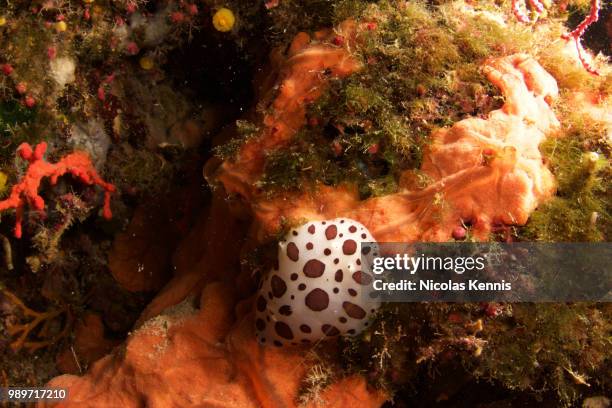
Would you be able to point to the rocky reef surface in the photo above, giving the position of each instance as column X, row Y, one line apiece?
column 163, row 160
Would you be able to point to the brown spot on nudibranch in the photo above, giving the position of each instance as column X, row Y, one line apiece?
column 293, row 252
column 330, row 330
column 261, row 303
column 353, row 310
column 285, row 310
column 349, row 247
column 260, row 324
column 279, row 287
column 362, row 278
column 317, row 300
column 283, row 330
column 314, row 268
column 311, row 229
column 331, row 232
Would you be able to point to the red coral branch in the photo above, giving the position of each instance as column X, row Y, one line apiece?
column 574, row 35
column 537, row 5
column 582, row 56
column 518, row 11
column 591, row 18
column 26, row 191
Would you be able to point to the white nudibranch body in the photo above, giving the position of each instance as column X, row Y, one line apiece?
column 318, row 290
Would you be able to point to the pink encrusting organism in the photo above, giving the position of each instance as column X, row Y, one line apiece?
column 575, row 35
column 26, row 191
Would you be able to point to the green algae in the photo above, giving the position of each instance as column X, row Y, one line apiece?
column 245, row 130
column 579, row 158
column 539, row 348
column 548, row 346
column 421, row 72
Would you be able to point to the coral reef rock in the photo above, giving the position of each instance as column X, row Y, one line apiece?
column 483, row 171
column 304, row 74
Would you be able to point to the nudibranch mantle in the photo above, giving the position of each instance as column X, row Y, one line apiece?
column 318, row 289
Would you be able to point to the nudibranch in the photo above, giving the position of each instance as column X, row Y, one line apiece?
column 318, row 289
